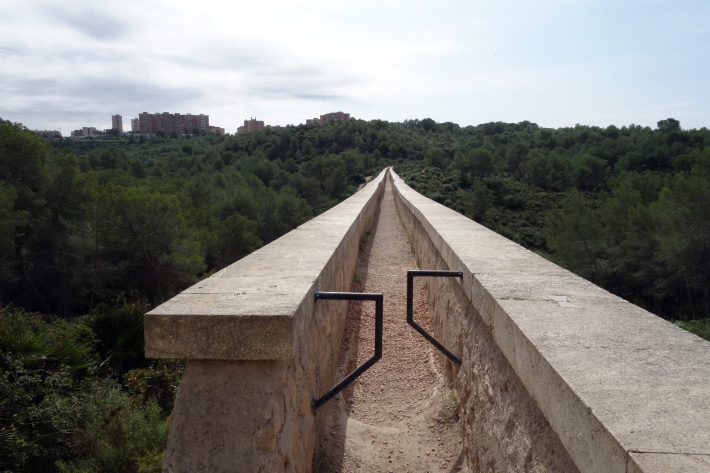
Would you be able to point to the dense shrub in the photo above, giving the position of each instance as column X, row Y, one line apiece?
column 158, row 384
column 60, row 409
column 119, row 337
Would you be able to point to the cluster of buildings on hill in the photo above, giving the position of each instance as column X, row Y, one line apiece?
column 88, row 131
column 152, row 123
column 255, row 125
column 251, row 125
column 85, row 132
column 328, row 117
column 175, row 122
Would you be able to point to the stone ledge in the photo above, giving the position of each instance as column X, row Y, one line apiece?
column 611, row 378
column 255, row 308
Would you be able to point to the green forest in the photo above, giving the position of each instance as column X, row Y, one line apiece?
column 94, row 233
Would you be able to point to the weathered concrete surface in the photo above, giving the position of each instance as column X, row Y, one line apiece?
column 608, row 377
column 675, row 463
column 259, row 348
column 502, row 427
column 254, row 308
column 238, row 408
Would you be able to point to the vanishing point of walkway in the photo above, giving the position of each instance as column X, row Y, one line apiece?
column 398, row 416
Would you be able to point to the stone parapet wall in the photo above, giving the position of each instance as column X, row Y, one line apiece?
column 557, row 374
column 258, row 347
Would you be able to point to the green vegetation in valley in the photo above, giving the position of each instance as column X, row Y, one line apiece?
column 78, row 395
column 89, row 222
column 626, row 208
column 86, row 226
column 95, row 232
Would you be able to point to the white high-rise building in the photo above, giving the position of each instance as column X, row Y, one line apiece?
column 117, row 123
column 134, row 125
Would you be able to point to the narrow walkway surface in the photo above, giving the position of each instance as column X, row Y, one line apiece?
column 398, row 416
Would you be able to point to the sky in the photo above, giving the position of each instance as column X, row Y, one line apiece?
column 557, row 63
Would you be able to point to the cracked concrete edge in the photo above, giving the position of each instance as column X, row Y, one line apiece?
column 255, row 308
column 601, row 398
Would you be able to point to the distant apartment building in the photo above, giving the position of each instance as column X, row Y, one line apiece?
column 201, row 122
column 146, row 122
column 216, row 129
column 117, row 123
column 48, row 133
column 191, row 122
column 166, row 122
column 328, row 117
column 134, row 125
column 251, row 125
column 178, row 123
column 169, row 122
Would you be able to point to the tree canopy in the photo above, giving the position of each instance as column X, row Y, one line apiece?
column 95, row 221
column 95, row 232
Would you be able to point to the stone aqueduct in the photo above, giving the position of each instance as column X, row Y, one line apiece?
column 618, row 388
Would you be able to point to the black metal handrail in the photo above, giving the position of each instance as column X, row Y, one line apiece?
column 411, row 274
column 354, row 296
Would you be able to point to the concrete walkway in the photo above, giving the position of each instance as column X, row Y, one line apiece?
column 398, row 416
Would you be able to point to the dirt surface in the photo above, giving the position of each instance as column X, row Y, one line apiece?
column 398, row 416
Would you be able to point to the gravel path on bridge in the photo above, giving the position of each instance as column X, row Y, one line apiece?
column 398, row 416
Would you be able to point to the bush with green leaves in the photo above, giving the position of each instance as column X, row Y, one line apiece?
column 701, row 327
column 158, row 384
column 60, row 408
column 119, row 337
column 122, row 439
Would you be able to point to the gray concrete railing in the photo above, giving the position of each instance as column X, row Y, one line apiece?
column 258, row 348
column 550, row 359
